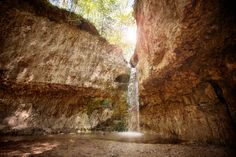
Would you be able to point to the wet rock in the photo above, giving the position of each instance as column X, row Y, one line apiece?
column 122, row 78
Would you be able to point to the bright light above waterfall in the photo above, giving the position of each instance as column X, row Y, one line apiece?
column 130, row 35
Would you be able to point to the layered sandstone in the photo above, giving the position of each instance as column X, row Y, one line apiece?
column 186, row 60
column 57, row 73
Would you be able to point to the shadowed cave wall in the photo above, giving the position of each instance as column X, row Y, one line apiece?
column 186, row 59
column 57, row 74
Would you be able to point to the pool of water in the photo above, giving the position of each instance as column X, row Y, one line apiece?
column 100, row 144
column 135, row 137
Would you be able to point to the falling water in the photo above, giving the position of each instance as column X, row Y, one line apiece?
column 133, row 101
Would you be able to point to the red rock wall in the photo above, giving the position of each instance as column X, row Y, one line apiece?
column 186, row 59
column 57, row 74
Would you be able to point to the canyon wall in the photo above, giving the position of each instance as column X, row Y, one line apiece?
column 57, row 74
column 186, row 59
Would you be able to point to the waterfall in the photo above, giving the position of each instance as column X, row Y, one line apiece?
column 133, row 101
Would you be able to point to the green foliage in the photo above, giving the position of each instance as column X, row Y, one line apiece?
column 120, row 127
column 106, row 103
column 111, row 17
column 98, row 104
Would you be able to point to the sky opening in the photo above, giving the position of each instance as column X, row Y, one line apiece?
column 113, row 19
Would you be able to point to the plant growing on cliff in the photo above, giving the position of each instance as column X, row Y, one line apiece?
column 106, row 103
column 98, row 104
column 120, row 126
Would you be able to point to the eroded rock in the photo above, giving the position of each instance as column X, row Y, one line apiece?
column 57, row 74
column 182, row 46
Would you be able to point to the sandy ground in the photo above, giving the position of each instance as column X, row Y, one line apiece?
column 77, row 146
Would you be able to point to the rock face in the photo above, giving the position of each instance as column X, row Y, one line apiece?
column 186, row 60
column 57, row 73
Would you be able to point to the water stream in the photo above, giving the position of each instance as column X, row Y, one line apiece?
column 133, row 101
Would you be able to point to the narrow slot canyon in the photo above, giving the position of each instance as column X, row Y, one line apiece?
column 118, row 78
